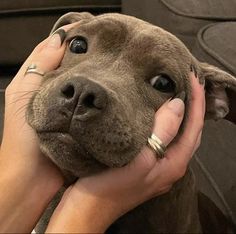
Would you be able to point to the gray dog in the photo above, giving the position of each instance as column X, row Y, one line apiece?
column 96, row 110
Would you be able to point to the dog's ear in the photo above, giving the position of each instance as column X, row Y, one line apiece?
column 220, row 93
column 69, row 18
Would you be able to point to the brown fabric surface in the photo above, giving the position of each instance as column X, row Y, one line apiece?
column 217, row 176
column 204, row 9
column 182, row 18
column 216, row 44
column 10, row 6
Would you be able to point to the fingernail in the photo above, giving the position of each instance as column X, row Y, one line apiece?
column 177, row 106
column 62, row 33
column 193, row 69
column 202, row 82
column 56, row 39
column 181, row 95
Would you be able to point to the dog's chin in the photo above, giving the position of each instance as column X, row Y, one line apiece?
column 79, row 159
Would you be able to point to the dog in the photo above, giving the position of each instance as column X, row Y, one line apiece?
column 96, row 110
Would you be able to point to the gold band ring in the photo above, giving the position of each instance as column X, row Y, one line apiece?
column 157, row 146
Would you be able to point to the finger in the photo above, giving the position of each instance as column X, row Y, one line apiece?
column 45, row 60
column 198, row 142
column 166, row 125
column 182, row 150
column 47, row 57
column 168, row 119
column 52, row 53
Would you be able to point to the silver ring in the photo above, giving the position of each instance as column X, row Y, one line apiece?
column 33, row 69
column 157, row 146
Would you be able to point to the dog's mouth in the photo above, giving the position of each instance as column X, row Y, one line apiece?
column 91, row 150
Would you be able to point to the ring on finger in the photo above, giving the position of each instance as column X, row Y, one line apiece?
column 157, row 146
column 32, row 68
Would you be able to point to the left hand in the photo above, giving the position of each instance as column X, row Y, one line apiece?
column 28, row 179
column 20, row 144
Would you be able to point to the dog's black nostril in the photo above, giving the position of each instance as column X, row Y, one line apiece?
column 88, row 101
column 68, row 91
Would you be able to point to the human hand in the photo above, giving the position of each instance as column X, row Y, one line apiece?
column 28, row 180
column 20, row 144
column 106, row 196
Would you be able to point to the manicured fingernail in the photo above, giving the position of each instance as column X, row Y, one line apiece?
column 202, row 82
column 177, row 106
column 62, row 33
column 181, row 95
column 56, row 39
column 193, row 69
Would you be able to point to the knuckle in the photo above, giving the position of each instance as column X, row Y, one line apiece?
column 163, row 190
column 168, row 134
column 167, row 188
column 180, row 172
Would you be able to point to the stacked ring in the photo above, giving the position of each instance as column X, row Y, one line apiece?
column 157, row 146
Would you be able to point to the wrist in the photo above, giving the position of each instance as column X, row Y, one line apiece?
column 34, row 171
column 82, row 212
column 25, row 192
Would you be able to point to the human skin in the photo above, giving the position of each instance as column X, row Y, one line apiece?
column 29, row 180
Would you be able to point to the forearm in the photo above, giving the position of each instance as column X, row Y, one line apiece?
column 23, row 197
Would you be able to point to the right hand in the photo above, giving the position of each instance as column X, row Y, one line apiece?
column 104, row 197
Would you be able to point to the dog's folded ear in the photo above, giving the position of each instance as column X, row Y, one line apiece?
column 69, row 18
column 220, row 93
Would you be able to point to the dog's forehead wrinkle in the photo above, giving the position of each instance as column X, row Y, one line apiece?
column 103, row 23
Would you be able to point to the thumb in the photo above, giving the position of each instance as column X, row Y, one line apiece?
column 168, row 119
column 166, row 125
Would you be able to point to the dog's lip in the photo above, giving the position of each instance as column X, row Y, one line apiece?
column 65, row 136
column 51, row 131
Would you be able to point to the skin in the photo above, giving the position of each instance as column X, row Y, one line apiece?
column 29, row 180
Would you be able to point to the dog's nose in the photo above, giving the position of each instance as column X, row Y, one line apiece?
column 86, row 97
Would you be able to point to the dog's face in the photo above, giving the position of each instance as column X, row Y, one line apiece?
column 96, row 110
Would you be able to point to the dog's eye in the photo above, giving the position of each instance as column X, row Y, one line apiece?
column 78, row 45
column 163, row 83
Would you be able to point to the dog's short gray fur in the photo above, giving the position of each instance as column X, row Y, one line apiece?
column 124, row 53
